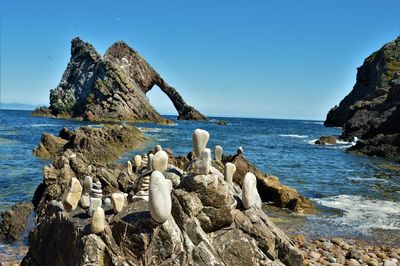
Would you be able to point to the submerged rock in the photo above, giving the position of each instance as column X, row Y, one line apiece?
column 371, row 111
column 326, row 140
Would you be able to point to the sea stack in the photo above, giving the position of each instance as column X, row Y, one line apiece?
column 200, row 140
column 250, row 196
column 73, row 196
column 230, row 170
column 160, row 161
column 160, row 197
column 218, row 152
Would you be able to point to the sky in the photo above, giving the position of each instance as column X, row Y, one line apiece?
column 268, row 59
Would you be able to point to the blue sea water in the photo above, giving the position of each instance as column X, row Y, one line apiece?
column 357, row 196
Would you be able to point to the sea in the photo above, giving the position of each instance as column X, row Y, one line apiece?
column 357, row 197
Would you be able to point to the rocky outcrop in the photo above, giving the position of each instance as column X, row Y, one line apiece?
column 326, row 140
column 269, row 187
column 208, row 223
column 371, row 111
column 14, row 221
column 100, row 144
column 112, row 87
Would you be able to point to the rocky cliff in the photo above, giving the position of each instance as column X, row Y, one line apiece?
column 371, row 111
column 112, row 87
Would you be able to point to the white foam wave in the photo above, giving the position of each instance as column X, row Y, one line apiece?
column 364, row 214
column 148, row 129
column 293, row 136
column 314, row 123
column 45, row 125
column 312, row 142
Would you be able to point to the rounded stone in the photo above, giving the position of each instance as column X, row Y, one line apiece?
column 98, row 221
column 129, row 167
column 94, row 204
column 150, row 162
column 158, row 148
column 118, row 201
column 218, row 152
column 160, row 161
column 250, row 196
column 159, row 197
column 87, row 184
column 107, row 202
column 73, row 195
column 230, row 170
column 85, row 201
column 200, row 140
column 137, row 161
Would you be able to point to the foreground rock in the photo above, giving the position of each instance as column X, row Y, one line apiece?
column 207, row 223
column 371, row 111
column 14, row 221
column 98, row 144
column 269, row 187
column 112, row 87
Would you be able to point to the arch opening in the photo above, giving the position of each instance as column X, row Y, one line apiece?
column 161, row 102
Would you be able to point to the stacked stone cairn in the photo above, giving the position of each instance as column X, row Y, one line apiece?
column 202, row 164
column 96, row 196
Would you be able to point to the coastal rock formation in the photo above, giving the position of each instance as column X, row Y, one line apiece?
column 326, row 140
column 208, row 224
column 112, row 87
column 371, row 111
column 269, row 187
column 14, row 220
column 105, row 144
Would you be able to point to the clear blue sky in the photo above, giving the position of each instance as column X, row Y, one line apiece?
column 277, row 59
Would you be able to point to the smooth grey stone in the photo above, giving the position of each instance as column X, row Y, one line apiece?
column 200, row 140
column 160, row 197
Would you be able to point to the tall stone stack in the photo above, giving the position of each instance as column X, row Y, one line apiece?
column 96, row 196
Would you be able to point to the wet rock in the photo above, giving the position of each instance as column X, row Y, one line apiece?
column 326, row 140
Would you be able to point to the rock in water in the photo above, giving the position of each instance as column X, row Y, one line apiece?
column 203, row 162
column 230, row 170
column 159, row 197
column 250, row 196
column 150, row 162
column 371, row 111
column 73, row 196
column 118, row 201
column 138, row 162
column 200, row 139
column 218, row 152
column 111, row 87
column 160, row 161
column 98, row 221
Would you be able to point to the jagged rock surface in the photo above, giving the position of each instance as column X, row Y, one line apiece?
column 208, row 226
column 105, row 144
column 371, row 111
column 110, row 88
column 14, row 221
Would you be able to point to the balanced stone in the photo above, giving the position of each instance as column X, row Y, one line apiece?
column 158, row 148
column 203, row 162
column 200, row 139
column 150, row 162
column 118, row 201
column 144, row 186
column 160, row 197
column 160, row 161
column 98, row 191
column 129, row 167
column 240, row 150
column 230, row 170
column 85, row 201
column 107, row 202
column 97, row 185
column 218, row 153
column 87, row 184
column 98, row 221
column 250, row 196
column 138, row 162
column 94, row 204
column 73, row 196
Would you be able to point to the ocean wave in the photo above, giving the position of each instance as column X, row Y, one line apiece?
column 293, row 136
column 312, row 142
column 364, row 214
column 44, row 125
column 4, row 141
column 149, row 129
column 313, row 123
